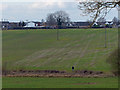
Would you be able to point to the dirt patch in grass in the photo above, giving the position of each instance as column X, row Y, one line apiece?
column 88, row 83
column 53, row 73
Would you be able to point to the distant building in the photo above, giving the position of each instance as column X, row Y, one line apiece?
column 79, row 24
column 83, row 24
column 4, row 25
column 34, row 24
column 30, row 24
column 13, row 25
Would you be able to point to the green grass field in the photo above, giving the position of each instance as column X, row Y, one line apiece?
column 39, row 49
column 28, row 82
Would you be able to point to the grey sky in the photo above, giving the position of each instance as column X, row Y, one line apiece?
column 18, row 11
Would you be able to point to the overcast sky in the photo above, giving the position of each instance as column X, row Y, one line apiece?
column 35, row 11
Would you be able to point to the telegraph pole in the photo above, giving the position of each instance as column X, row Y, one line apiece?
column 57, row 34
column 58, row 27
column 119, row 40
column 105, row 37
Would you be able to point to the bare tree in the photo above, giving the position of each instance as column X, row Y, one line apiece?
column 59, row 19
column 42, row 20
column 51, row 19
column 97, row 8
column 22, row 24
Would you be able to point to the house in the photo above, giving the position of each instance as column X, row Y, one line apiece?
column 4, row 25
column 13, row 25
column 30, row 24
column 79, row 24
column 34, row 24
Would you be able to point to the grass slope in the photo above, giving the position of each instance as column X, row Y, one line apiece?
column 39, row 49
column 30, row 82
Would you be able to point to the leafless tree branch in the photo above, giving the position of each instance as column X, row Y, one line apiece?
column 97, row 8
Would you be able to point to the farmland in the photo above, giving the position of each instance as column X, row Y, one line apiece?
column 40, row 50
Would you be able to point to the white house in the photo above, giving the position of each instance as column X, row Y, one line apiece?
column 30, row 24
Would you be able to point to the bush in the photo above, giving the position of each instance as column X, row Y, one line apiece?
column 114, row 61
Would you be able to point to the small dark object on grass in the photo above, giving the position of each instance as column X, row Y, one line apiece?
column 85, row 71
column 91, row 72
column 72, row 68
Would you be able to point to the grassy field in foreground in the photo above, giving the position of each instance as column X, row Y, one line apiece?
column 39, row 49
column 30, row 82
